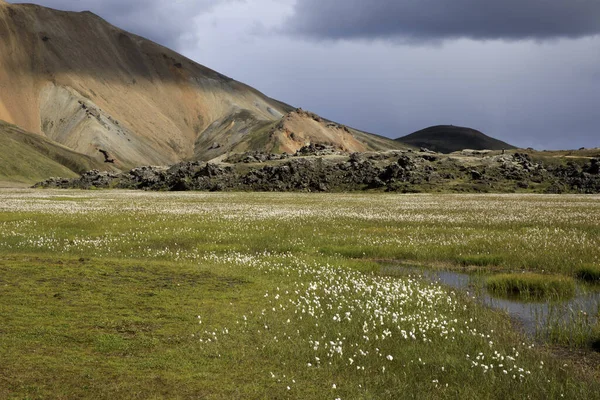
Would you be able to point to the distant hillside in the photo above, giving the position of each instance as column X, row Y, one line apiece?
column 86, row 84
column 26, row 157
column 449, row 138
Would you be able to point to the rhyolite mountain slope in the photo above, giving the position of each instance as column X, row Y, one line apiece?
column 450, row 138
column 83, row 83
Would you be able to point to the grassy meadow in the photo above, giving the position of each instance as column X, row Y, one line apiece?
column 27, row 158
column 113, row 294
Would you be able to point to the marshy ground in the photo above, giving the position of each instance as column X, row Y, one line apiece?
column 110, row 294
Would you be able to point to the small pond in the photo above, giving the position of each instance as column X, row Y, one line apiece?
column 529, row 314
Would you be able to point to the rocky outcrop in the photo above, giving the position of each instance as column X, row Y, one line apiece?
column 255, row 157
column 316, row 169
column 89, row 180
column 317, row 149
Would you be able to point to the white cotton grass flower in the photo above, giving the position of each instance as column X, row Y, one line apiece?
column 376, row 306
column 312, row 297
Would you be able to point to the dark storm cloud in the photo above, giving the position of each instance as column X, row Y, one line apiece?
column 418, row 20
column 161, row 21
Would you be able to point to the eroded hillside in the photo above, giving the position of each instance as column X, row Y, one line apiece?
column 86, row 84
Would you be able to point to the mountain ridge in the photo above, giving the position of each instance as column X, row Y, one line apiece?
column 86, row 84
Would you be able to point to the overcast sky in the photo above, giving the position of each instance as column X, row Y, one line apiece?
column 524, row 71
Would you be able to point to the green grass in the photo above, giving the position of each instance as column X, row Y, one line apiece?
column 570, row 328
column 29, row 158
column 531, row 286
column 111, row 294
column 589, row 273
column 480, row 260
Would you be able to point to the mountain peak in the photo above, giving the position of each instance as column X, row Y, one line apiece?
column 86, row 84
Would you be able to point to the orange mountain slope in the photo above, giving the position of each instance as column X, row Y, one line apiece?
column 81, row 82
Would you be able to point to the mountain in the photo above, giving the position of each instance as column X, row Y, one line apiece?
column 450, row 138
column 78, row 81
column 27, row 157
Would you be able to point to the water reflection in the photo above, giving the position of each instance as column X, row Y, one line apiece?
column 530, row 314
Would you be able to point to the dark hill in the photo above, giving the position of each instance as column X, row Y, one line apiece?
column 450, row 138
